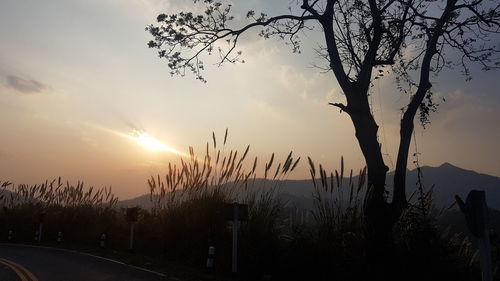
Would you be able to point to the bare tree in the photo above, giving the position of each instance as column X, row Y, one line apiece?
column 361, row 38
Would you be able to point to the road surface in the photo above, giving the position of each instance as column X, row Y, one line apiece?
column 31, row 263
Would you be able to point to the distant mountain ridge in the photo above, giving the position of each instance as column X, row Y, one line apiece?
column 448, row 180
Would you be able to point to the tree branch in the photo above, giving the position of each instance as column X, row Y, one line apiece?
column 341, row 106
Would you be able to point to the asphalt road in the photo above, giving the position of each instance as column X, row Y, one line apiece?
column 7, row 273
column 31, row 263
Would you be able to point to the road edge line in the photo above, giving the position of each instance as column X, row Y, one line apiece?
column 88, row 254
column 22, row 275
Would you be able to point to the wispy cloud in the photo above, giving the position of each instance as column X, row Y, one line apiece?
column 25, row 86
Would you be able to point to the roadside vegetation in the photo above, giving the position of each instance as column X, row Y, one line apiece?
column 188, row 216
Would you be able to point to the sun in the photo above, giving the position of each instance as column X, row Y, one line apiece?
column 142, row 138
column 148, row 141
column 151, row 143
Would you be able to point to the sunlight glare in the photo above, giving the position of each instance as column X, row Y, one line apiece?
column 150, row 143
column 141, row 137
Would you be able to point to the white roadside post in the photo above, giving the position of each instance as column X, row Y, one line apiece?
column 235, row 213
column 102, row 242
column 210, row 258
column 10, row 236
column 40, row 227
column 132, row 215
column 131, row 243
column 59, row 237
column 476, row 216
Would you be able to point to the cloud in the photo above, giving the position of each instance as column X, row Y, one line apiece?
column 25, row 86
column 310, row 85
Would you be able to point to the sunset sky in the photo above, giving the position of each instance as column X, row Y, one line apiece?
column 77, row 77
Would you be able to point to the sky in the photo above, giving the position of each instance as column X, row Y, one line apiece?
column 76, row 78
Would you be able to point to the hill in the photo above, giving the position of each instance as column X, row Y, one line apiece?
column 448, row 181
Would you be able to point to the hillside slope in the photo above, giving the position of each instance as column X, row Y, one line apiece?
column 448, row 181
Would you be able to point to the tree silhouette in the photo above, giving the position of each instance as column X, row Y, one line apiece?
column 361, row 40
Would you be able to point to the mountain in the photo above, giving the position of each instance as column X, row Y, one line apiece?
column 448, row 181
column 143, row 201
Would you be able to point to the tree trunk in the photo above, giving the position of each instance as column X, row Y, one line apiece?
column 380, row 215
column 377, row 212
column 399, row 202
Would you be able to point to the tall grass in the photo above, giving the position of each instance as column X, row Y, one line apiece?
column 190, row 198
column 217, row 172
column 188, row 216
column 425, row 252
column 81, row 214
column 57, row 193
column 332, row 245
column 338, row 200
